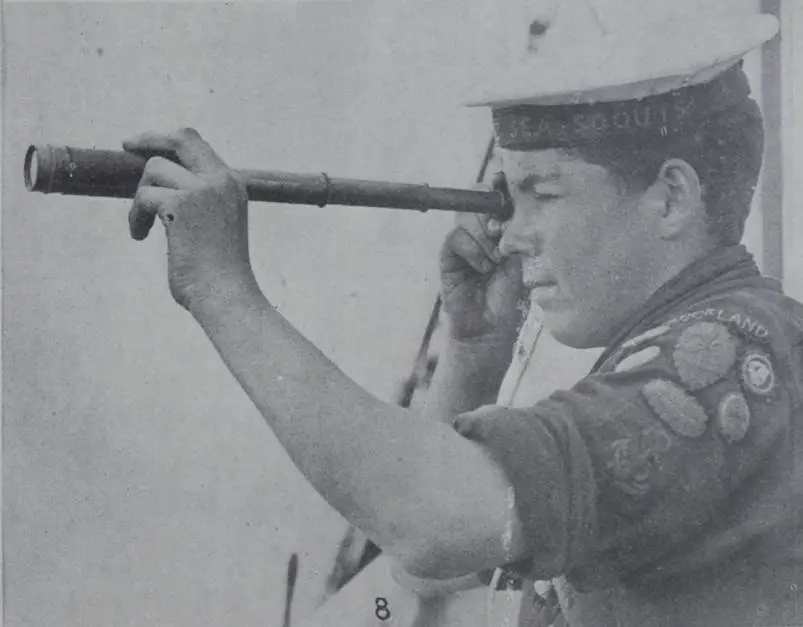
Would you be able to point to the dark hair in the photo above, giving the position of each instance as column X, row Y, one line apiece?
column 726, row 151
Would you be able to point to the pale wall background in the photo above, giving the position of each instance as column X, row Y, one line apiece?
column 140, row 486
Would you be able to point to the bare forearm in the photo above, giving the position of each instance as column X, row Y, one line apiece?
column 405, row 481
column 468, row 376
column 394, row 474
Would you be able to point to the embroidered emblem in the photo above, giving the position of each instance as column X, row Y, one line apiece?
column 634, row 459
column 639, row 358
column 648, row 335
column 657, row 440
column 703, row 355
column 739, row 322
column 757, row 373
column 733, row 416
column 678, row 409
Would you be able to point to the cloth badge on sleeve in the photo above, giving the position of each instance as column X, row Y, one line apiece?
column 703, row 355
column 628, row 466
column 676, row 407
column 733, row 416
column 634, row 460
column 757, row 373
column 637, row 359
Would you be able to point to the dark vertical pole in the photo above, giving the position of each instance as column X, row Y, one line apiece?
column 772, row 188
column 292, row 577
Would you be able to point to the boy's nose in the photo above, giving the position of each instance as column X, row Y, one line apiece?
column 517, row 239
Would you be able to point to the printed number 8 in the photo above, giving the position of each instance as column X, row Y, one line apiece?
column 382, row 611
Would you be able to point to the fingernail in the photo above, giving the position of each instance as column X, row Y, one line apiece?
column 486, row 266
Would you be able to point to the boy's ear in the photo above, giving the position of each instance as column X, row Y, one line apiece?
column 679, row 197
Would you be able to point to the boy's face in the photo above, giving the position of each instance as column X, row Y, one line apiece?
column 586, row 249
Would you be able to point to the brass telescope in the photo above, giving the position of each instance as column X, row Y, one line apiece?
column 116, row 174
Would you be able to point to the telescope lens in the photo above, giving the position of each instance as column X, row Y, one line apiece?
column 31, row 171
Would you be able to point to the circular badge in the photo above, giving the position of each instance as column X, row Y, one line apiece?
column 757, row 373
column 703, row 354
column 676, row 407
column 733, row 416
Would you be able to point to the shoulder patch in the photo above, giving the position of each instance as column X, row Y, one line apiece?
column 676, row 407
column 637, row 359
column 757, row 373
column 733, row 416
column 703, row 354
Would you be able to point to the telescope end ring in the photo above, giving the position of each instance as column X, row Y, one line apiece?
column 31, row 162
column 39, row 169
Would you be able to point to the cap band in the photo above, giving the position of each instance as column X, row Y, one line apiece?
column 532, row 127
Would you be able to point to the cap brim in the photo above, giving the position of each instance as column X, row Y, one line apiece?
column 628, row 65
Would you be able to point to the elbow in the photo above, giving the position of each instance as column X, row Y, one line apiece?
column 428, row 558
column 423, row 564
column 412, row 552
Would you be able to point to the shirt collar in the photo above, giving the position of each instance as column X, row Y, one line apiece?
column 724, row 269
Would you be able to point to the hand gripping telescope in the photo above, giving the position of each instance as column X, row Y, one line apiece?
column 116, row 174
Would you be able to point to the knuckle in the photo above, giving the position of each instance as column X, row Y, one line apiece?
column 447, row 252
column 464, row 241
column 182, row 136
column 139, row 199
column 187, row 133
column 464, row 246
column 454, row 239
column 231, row 183
column 475, row 224
column 226, row 178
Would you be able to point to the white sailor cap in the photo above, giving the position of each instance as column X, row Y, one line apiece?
column 655, row 79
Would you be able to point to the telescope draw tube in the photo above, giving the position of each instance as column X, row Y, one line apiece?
column 116, row 174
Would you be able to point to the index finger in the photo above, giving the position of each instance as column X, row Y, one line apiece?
column 482, row 223
column 186, row 144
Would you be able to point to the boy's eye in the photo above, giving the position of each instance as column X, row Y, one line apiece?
column 545, row 196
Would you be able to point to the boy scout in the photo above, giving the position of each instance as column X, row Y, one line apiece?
column 662, row 488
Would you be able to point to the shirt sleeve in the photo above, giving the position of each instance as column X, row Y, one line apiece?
column 636, row 459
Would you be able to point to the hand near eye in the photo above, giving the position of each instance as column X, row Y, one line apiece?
column 481, row 289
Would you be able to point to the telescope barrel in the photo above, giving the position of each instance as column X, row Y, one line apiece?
column 116, row 174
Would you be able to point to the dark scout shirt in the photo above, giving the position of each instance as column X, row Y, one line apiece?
column 665, row 488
